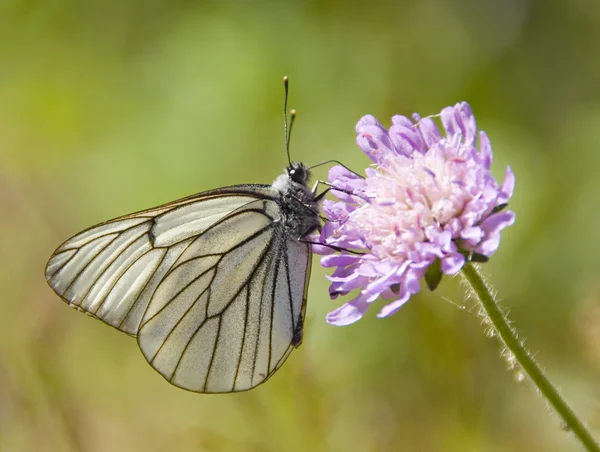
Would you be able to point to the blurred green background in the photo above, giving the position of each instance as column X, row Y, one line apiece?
column 108, row 107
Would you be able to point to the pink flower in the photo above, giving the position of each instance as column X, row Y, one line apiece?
column 429, row 203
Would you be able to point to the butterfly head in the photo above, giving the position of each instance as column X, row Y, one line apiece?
column 294, row 179
column 298, row 173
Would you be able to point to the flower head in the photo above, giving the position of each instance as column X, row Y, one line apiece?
column 428, row 203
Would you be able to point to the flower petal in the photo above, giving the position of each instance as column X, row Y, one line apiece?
column 488, row 246
column 429, row 131
column 485, row 151
column 405, row 136
column 472, row 235
column 507, row 188
column 339, row 260
column 411, row 279
column 452, row 263
column 349, row 283
column 383, row 282
column 349, row 312
column 339, row 171
column 373, row 138
column 468, row 124
column 392, row 308
column 449, row 121
column 318, row 248
column 498, row 221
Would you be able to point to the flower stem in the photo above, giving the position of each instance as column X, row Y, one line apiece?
column 524, row 358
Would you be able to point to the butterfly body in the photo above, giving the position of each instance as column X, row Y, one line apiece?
column 299, row 206
column 213, row 286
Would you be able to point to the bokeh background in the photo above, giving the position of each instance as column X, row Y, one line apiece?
column 108, row 107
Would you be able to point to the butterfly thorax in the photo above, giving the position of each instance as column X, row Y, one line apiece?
column 299, row 208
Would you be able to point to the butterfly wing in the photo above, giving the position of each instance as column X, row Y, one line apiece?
column 225, row 318
column 204, row 282
column 111, row 270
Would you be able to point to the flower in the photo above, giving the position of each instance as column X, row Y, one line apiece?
column 427, row 205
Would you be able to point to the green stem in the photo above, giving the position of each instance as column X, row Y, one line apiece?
column 524, row 358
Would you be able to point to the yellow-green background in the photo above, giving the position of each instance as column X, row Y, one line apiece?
column 111, row 106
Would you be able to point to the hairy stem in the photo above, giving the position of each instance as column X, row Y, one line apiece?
column 525, row 359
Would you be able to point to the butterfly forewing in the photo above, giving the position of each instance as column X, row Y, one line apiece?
column 107, row 268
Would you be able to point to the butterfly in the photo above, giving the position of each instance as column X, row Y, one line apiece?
column 213, row 286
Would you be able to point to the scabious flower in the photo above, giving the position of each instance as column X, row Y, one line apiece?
column 428, row 203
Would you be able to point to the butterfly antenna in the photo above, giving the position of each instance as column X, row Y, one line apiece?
column 285, row 124
column 292, row 118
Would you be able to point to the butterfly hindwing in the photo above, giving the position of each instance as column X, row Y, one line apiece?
column 224, row 318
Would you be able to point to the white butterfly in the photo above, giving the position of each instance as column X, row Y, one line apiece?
column 213, row 286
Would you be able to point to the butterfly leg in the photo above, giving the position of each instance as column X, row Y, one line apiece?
column 332, row 187
column 302, row 239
